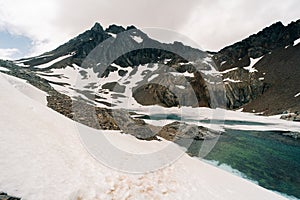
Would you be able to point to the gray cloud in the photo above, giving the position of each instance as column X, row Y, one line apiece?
column 211, row 23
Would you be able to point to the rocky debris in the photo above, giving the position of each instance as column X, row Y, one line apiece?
column 82, row 112
column 291, row 117
column 100, row 118
column 5, row 196
column 119, row 119
column 177, row 130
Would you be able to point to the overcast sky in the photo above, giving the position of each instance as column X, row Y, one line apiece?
column 212, row 24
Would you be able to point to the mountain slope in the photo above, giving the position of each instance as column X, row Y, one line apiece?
column 117, row 66
column 261, row 72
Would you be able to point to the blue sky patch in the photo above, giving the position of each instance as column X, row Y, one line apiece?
column 9, row 41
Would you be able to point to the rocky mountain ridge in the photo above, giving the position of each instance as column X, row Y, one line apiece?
column 247, row 74
column 261, row 72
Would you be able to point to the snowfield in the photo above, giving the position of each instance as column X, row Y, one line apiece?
column 42, row 157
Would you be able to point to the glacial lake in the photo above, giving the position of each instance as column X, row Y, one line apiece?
column 266, row 157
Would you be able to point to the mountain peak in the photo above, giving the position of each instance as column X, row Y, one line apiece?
column 115, row 29
column 130, row 27
column 97, row 27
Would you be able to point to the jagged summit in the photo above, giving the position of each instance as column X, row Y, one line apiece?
column 115, row 29
column 265, row 41
column 97, row 27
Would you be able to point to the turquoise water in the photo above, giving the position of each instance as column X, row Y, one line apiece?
column 266, row 157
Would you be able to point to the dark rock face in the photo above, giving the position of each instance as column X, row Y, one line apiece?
column 115, row 29
column 246, row 88
column 280, row 70
column 272, row 87
column 155, row 94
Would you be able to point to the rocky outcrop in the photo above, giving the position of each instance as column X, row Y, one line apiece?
column 5, row 196
column 118, row 119
column 82, row 112
column 155, row 94
column 180, row 130
column 291, row 117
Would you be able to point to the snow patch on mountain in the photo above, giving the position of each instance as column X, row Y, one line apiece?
column 296, row 42
column 250, row 68
column 4, row 69
column 138, row 39
column 231, row 80
column 48, row 64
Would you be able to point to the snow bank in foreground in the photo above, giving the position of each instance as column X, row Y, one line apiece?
column 42, row 157
column 27, row 89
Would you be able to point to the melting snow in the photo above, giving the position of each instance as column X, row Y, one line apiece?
column 153, row 77
column 138, row 39
column 231, row 80
column 4, row 69
column 223, row 62
column 113, row 35
column 180, row 87
column 167, row 60
column 296, row 41
column 250, row 68
column 186, row 74
column 228, row 70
